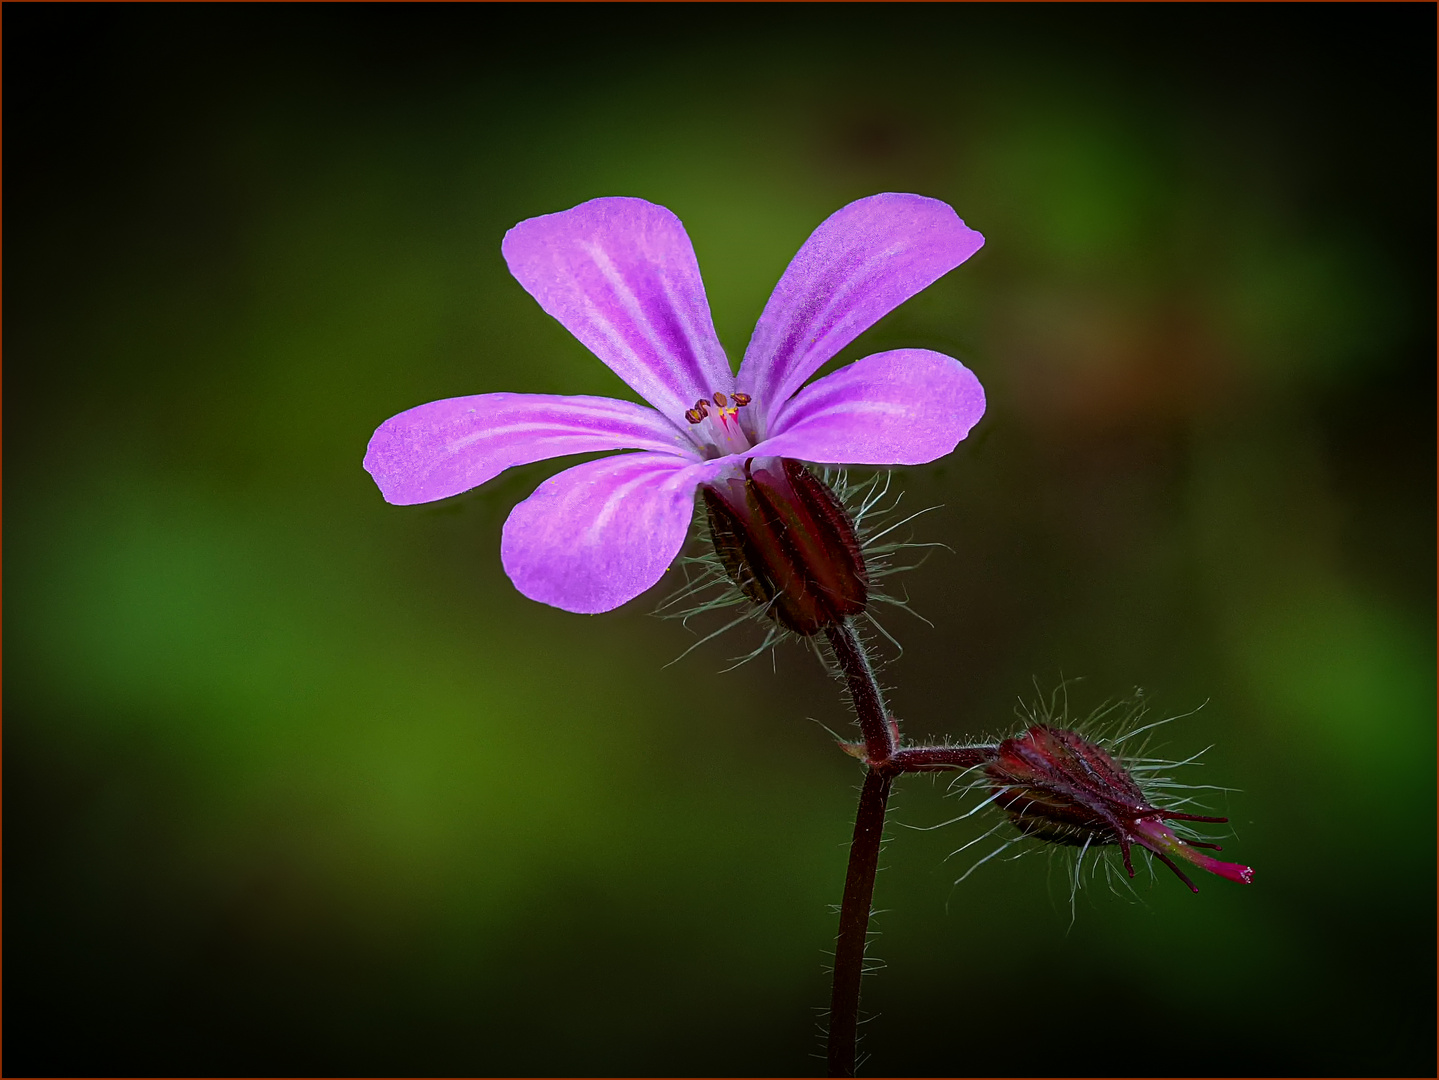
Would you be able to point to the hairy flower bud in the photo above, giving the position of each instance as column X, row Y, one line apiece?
column 1059, row 787
column 788, row 543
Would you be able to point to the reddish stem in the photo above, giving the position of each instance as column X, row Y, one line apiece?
column 880, row 738
column 940, row 758
column 854, row 921
column 886, row 760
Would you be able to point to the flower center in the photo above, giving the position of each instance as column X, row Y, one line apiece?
column 716, row 425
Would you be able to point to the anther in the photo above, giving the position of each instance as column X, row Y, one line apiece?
column 720, row 399
column 702, row 407
column 741, row 400
column 693, row 416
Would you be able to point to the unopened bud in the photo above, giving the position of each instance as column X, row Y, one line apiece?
column 788, row 543
column 1059, row 787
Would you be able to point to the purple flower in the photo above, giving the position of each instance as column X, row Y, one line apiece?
column 620, row 274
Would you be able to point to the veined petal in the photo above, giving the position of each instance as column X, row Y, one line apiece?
column 620, row 274
column 601, row 533
column 440, row 449
column 904, row 407
column 861, row 263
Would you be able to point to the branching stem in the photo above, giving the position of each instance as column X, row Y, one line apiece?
column 885, row 759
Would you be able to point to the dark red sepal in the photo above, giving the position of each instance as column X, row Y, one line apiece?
column 788, row 543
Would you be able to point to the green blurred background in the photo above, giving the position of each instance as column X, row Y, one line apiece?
column 296, row 782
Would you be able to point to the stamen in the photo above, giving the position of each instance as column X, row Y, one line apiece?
column 726, row 434
column 740, row 400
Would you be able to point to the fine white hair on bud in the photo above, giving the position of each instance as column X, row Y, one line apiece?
column 1091, row 788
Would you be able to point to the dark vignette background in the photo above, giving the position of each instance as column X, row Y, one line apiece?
column 295, row 782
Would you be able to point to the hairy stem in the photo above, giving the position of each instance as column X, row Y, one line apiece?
column 854, row 921
column 880, row 739
column 941, row 758
column 886, row 760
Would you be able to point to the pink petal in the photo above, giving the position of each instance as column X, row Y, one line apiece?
column 441, row 449
column 860, row 264
column 621, row 276
column 904, row 407
column 602, row 533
